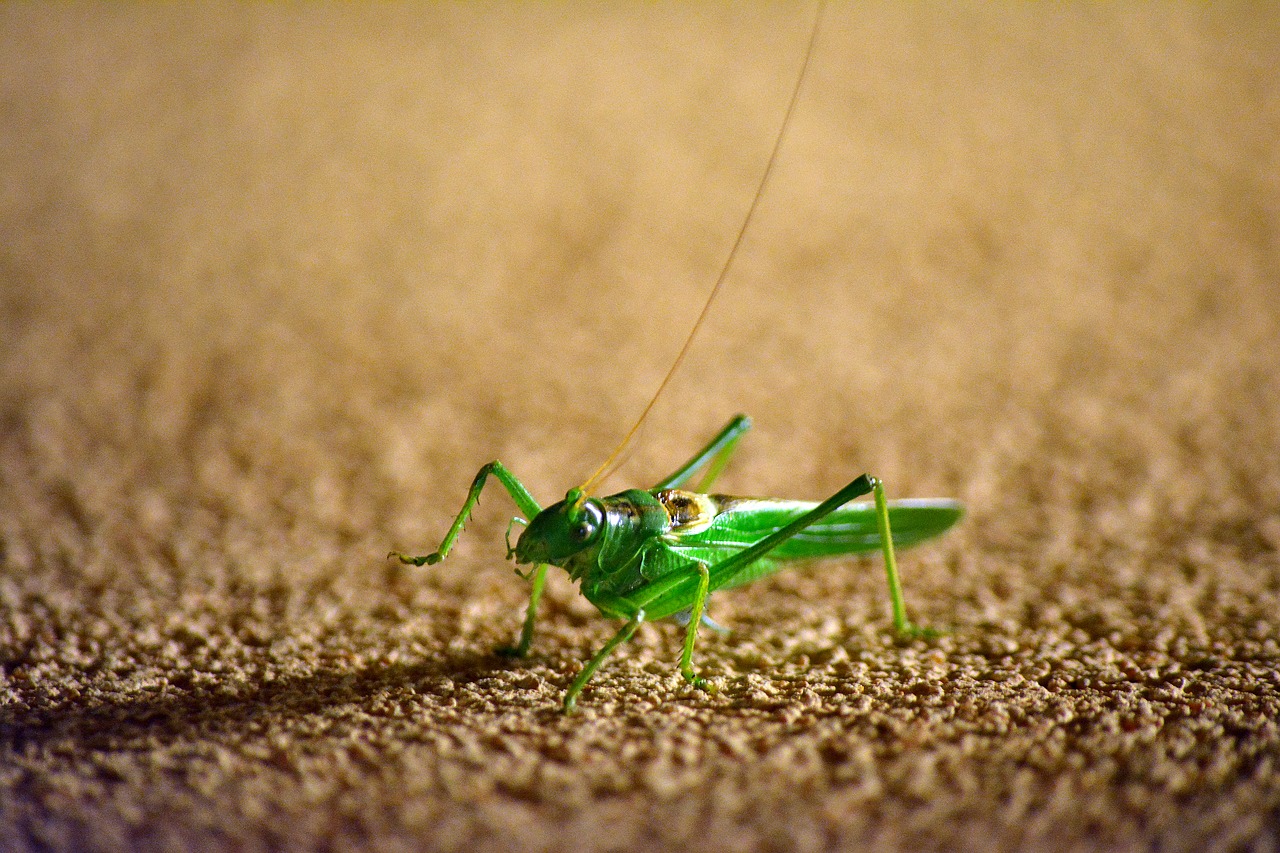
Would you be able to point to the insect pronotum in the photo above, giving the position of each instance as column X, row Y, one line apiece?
column 646, row 554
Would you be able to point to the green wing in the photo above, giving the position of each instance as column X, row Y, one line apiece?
column 848, row 530
column 669, row 580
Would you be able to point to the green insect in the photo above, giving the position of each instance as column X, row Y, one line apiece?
column 650, row 554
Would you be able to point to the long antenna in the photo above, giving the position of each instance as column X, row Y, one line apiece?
column 724, row 271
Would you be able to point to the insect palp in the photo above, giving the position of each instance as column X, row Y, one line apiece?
column 511, row 549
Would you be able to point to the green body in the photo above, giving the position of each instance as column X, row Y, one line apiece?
column 641, row 555
column 645, row 552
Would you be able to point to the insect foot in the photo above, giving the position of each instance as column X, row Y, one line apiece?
column 428, row 560
column 912, row 631
column 701, row 683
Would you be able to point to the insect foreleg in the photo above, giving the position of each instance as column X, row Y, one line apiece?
column 691, row 632
column 538, row 579
column 514, row 487
column 715, row 456
column 530, row 508
column 571, row 695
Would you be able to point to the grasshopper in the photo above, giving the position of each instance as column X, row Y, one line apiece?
column 649, row 554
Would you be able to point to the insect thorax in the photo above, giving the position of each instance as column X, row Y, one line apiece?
column 689, row 512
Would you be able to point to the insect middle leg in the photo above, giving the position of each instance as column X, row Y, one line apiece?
column 627, row 630
column 696, row 612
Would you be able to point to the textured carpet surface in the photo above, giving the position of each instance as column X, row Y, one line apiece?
column 275, row 282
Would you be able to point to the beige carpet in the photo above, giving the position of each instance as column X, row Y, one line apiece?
column 276, row 281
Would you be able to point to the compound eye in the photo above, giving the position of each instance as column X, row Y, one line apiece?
column 587, row 525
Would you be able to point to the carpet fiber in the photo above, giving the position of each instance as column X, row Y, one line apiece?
column 275, row 281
